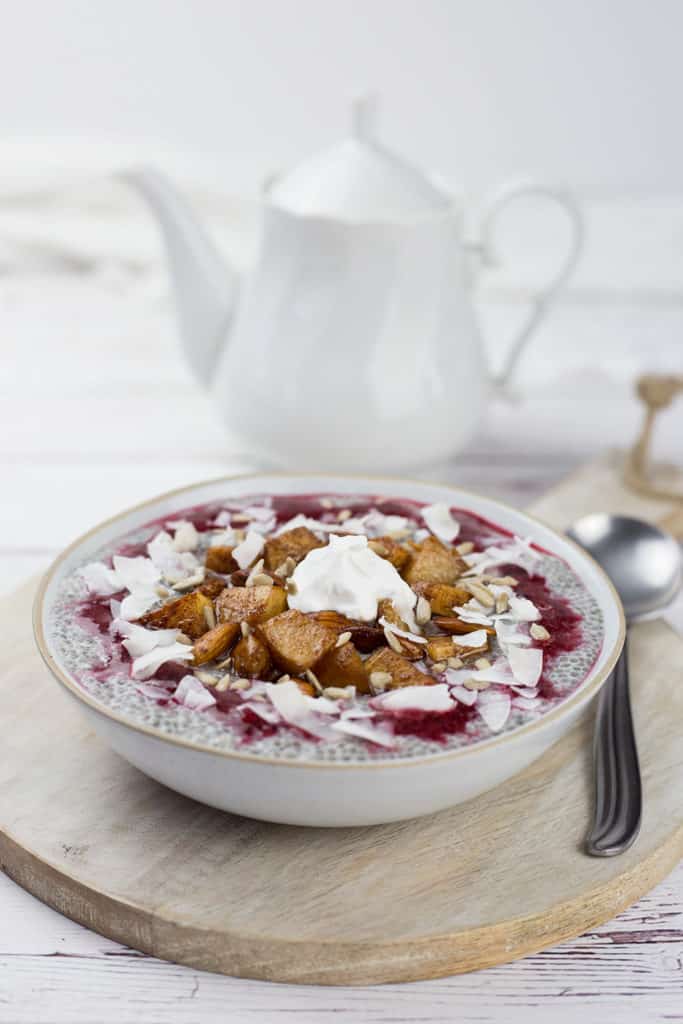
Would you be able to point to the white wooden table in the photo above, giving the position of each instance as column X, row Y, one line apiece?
column 88, row 360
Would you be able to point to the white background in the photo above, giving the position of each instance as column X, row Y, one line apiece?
column 587, row 91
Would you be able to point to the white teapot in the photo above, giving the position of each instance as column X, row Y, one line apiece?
column 352, row 343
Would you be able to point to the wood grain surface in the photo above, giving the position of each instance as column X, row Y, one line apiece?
column 477, row 885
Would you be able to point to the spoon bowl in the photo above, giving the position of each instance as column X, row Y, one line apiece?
column 643, row 562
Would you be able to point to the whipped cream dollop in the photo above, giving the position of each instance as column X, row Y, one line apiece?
column 346, row 576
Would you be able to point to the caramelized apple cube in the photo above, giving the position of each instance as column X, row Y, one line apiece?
column 402, row 672
column 219, row 559
column 215, row 642
column 251, row 658
column 440, row 648
column 186, row 613
column 433, row 562
column 343, row 666
column 297, row 641
column 250, row 604
column 212, row 587
column 293, row 544
column 442, row 597
column 387, row 547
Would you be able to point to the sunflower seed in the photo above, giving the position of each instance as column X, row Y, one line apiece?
column 342, row 639
column 205, row 677
column 423, row 611
column 482, row 663
column 475, row 684
column 465, row 548
column 479, row 591
column 245, row 628
column 455, row 662
column 539, row 632
column 209, row 616
column 502, row 603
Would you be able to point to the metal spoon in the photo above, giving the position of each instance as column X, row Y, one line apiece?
column 644, row 564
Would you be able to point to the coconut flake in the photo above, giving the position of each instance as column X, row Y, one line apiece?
column 401, row 632
column 249, row 550
column 508, row 633
column 293, row 707
column 100, row 579
column 439, row 520
column 224, row 538
column 518, row 552
column 138, row 640
column 191, row 694
column 323, row 705
column 500, row 672
column 473, row 614
column 494, row 707
column 415, row 698
column 152, row 691
column 465, row 696
column 264, row 711
column 522, row 610
column 371, row 733
column 526, row 664
column 136, row 573
column 526, row 703
column 186, row 537
column 147, row 664
column 477, row 638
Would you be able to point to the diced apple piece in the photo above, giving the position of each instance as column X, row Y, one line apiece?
column 293, row 544
column 186, row 613
column 343, row 666
column 402, row 672
column 251, row 658
column 433, row 562
column 250, row 604
column 219, row 559
column 387, row 547
column 215, row 643
column 212, row 587
column 442, row 597
column 440, row 648
column 297, row 641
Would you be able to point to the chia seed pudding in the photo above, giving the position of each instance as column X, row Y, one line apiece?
column 326, row 627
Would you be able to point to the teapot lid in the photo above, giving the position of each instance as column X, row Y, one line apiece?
column 358, row 179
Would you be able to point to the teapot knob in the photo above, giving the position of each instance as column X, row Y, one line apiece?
column 364, row 116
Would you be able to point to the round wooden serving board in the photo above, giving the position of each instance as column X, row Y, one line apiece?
column 483, row 883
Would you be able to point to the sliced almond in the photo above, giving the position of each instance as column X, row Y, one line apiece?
column 482, row 663
column 210, row 616
column 466, row 548
column 480, row 592
column 393, row 641
column 538, row 632
column 455, row 663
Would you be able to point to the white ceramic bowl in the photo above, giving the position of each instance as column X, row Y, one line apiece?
column 332, row 794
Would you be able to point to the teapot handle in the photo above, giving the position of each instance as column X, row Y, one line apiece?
column 544, row 299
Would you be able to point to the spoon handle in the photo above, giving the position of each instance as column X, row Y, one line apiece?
column 618, row 789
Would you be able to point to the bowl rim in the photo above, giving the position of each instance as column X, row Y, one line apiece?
column 585, row 691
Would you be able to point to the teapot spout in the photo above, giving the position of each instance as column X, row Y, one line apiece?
column 205, row 287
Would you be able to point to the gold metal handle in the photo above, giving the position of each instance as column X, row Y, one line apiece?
column 657, row 392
